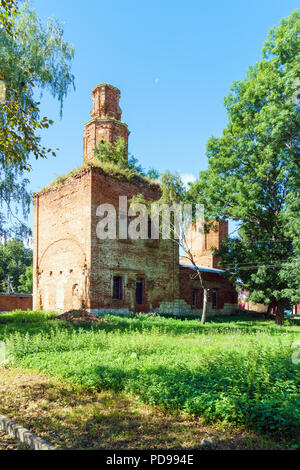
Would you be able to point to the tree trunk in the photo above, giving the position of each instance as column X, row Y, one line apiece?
column 270, row 306
column 270, row 311
column 279, row 318
column 205, row 295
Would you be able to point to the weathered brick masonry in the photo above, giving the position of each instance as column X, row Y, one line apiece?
column 152, row 262
column 62, row 244
column 222, row 296
column 203, row 247
column 10, row 302
column 73, row 268
column 106, row 121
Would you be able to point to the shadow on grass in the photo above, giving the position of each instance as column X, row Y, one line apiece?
column 257, row 391
column 228, row 391
column 72, row 418
column 121, row 429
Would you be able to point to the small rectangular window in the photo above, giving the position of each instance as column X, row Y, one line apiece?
column 117, row 288
column 194, row 298
column 149, row 229
column 214, row 298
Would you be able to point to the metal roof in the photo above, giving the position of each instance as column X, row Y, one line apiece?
column 202, row 268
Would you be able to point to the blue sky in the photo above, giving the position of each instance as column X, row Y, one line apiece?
column 173, row 61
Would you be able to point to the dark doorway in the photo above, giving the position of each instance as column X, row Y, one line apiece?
column 139, row 292
column 214, row 298
column 117, row 287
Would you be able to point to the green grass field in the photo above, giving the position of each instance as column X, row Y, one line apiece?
column 235, row 370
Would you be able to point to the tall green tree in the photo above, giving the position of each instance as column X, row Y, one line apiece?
column 15, row 257
column 254, row 169
column 25, row 281
column 33, row 58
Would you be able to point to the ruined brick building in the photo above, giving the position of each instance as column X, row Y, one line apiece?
column 74, row 269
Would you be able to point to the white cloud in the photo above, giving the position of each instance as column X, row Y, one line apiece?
column 187, row 178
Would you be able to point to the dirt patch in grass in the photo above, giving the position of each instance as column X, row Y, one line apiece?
column 71, row 418
column 79, row 316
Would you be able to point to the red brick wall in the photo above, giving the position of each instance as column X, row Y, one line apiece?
column 106, row 123
column 226, row 291
column 99, row 129
column 68, row 255
column 202, row 248
column 61, row 245
column 73, row 268
column 106, row 102
column 154, row 261
column 10, row 302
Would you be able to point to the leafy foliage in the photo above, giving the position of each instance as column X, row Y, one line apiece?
column 254, row 168
column 14, row 199
column 25, row 281
column 173, row 190
column 32, row 58
column 8, row 10
column 112, row 152
column 14, row 260
column 116, row 153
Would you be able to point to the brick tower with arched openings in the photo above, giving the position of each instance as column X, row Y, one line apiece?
column 106, row 121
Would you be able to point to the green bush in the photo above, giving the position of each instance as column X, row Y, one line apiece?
column 21, row 316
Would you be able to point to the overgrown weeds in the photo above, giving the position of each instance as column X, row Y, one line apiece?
column 236, row 371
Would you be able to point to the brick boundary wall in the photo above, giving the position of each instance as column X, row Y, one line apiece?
column 9, row 302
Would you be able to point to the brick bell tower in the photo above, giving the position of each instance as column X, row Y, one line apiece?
column 202, row 246
column 106, row 121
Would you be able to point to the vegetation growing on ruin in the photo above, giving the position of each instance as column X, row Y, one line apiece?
column 117, row 154
column 229, row 370
column 108, row 168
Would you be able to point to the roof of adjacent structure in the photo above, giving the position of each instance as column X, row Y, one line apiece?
column 202, row 268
